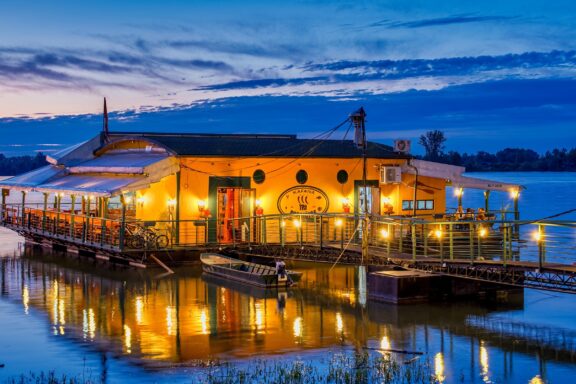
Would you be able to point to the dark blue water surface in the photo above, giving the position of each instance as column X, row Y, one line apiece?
column 71, row 316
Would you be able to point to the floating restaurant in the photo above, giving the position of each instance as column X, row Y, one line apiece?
column 123, row 192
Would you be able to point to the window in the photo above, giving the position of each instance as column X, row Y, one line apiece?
column 342, row 176
column 258, row 176
column 422, row 205
column 301, row 176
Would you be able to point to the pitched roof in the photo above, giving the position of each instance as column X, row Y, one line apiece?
column 233, row 145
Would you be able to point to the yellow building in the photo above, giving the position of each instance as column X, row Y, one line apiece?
column 195, row 186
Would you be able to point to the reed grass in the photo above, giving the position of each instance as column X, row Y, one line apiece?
column 338, row 368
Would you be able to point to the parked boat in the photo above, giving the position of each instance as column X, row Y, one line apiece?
column 250, row 273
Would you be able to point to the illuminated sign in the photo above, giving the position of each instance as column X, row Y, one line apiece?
column 303, row 199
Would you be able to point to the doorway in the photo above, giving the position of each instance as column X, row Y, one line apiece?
column 372, row 197
column 233, row 204
column 225, row 204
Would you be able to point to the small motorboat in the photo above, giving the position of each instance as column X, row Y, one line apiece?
column 250, row 273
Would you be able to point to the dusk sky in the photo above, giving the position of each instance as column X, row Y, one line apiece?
column 490, row 74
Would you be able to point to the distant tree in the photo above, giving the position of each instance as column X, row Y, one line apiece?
column 433, row 143
column 11, row 166
column 453, row 157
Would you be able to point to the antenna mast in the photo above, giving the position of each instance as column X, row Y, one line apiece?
column 359, row 121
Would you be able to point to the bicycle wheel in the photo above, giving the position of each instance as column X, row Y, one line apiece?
column 136, row 242
column 162, row 241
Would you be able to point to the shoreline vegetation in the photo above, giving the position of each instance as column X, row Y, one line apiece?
column 505, row 160
column 338, row 368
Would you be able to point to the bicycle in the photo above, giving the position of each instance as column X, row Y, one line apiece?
column 140, row 237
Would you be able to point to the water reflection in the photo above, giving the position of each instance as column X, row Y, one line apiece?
column 188, row 317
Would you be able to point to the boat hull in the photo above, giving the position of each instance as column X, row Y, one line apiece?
column 248, row 273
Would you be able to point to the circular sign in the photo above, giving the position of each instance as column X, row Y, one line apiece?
column 303, row 199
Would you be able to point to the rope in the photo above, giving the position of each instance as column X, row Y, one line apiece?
column 344, row 250
column 549, row 217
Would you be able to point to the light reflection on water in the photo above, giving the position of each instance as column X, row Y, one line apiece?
column 132, row 326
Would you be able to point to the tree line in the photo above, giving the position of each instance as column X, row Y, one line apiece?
column 15, row 165
column 508, row 159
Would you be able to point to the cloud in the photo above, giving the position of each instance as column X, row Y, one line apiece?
column 440, row 21
column 461, row 69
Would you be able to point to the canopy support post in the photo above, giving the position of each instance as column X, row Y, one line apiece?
column 72, row 214
column 122, row 224
column 44, row 211
column 23, row 207
column 177, row 213
column 5, row 192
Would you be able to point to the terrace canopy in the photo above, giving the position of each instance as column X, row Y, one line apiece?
column 454, row 176
column 104, row 176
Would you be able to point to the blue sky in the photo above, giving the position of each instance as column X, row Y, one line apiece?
column 490, row 74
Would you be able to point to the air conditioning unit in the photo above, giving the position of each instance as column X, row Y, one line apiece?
column 402, row 146
column 390, row 175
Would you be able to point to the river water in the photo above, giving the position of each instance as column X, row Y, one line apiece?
column 70, row 316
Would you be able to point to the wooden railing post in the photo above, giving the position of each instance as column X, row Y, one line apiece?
column 425, row 234
column 401, row 238
column 72, row 214
column 321, row 231
column 451, row 240
column 413, row 229
column 471, row 239
column 300, row 231
column 263, row 229
column 44, row 211
column 389, row 238
column 504, row 243
column 122, row 226
column 282, row 226
column 102, row 231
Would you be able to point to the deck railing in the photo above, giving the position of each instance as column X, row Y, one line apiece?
column 444, row 237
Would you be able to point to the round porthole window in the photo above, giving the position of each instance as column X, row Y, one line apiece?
column 301, row 176
column 342, row 176
column 258, row 176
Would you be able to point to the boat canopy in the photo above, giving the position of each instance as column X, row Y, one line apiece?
column 103, row 176
column 453, row 175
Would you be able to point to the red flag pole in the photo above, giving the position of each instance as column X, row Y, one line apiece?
column 105, row 118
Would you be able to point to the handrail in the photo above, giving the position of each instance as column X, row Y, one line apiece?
column 543, row 241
